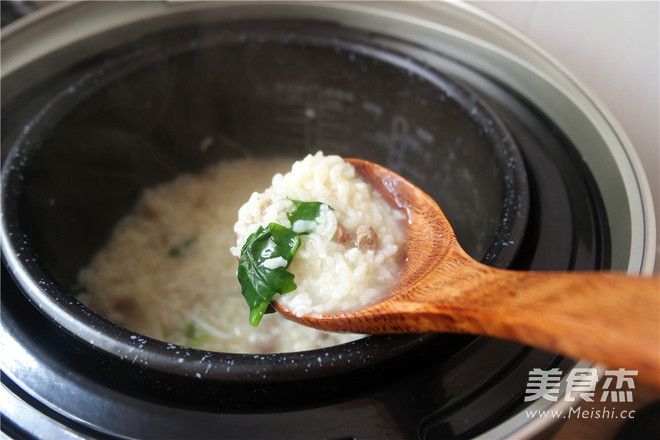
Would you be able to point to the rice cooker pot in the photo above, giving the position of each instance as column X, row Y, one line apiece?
column 139, row 119
column 133, row 108
column 107, row 130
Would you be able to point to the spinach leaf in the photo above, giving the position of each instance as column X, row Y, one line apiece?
column 305, row 213
column 262, row 268
column 267, row 254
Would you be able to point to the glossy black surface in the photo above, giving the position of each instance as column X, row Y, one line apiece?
column 138, row 118
column 105, row 152
column 644, row 426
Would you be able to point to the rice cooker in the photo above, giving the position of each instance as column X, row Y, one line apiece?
column 67, row 373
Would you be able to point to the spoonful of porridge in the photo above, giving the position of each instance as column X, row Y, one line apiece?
column 384, row 259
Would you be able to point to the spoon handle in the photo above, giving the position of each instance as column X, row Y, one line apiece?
column 606, row 317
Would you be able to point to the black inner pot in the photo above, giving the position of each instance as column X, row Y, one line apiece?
column 89, row 139
column 85, row 144
column 140, row 117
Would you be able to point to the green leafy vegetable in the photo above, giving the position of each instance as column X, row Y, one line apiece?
column 266, row 256
column 195, row 338
column 305, row 213
column 190, row 330
column 179, row 250
column 259, row 280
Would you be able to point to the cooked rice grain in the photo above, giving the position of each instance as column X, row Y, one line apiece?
column 166, row 272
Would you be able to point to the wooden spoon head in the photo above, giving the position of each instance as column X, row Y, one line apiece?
column 429, row 236
column 429, row 241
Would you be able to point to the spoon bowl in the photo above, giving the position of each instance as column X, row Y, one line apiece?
column 606, row 317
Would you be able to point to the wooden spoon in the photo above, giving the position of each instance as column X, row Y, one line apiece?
column 606, row 317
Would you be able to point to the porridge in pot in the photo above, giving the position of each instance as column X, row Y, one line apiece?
column 166, row 271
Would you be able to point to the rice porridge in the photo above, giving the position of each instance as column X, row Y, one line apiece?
column 166, row 271
column 349, row 252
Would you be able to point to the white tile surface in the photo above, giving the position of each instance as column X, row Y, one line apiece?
column 613, row 49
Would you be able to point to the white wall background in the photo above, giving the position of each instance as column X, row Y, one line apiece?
column 613, row 48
